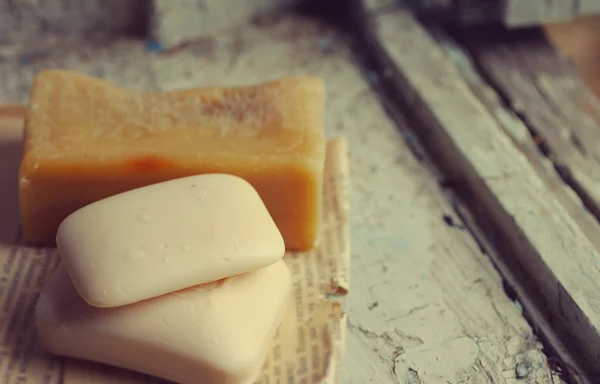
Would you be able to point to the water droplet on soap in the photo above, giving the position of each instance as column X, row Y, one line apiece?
column 143, row 217
column 134, row 254
column 93, row 264
column 226, row 259
column 237, row 248
column 168, row 256
column 187, row 248
column 198, row 193
column 123, row 291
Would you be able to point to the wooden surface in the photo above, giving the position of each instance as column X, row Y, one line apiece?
column 176, row 22
column 539, row 233
column 563, row 115
column 165, row 23
column 535, row 12
column 512, row 13
column 545, row 90
column 26, row 20
column 426, row 305
column 579, row 41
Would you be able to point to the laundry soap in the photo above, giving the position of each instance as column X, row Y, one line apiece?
column 165, row 237
column 86, row 139
column 217, row 333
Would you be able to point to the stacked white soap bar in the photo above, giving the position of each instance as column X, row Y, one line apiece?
column 182, row 280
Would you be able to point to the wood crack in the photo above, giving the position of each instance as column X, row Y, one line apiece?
column 538, row 138
column 410, row 312
column 387, row 340
column 440, row 112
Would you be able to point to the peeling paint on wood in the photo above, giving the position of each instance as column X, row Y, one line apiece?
column 512, row 13
column 545, row 90
column 532, row 231
column 177, row 22
column 27, row 20
column 426, row 305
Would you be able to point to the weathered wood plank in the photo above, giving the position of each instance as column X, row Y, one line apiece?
column 527, row 12
column 546, row 91
column 176, row 22
column 588, row 7
column 169, row 22
column 536, row 237
column 24, row 21
column 512, row 13
column 523, row 140
column 425, row 303
column 579, row 40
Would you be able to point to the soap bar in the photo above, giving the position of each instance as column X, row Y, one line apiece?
column 11, row 133
column 165, row 237
column 86, row 139
column 214, row 333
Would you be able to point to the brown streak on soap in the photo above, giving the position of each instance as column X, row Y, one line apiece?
column 147, row 163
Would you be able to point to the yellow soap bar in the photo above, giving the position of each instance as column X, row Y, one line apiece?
column 86, row 139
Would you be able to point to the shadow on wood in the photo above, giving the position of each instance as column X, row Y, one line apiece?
column 579, row 40
column 10, row 157
column 536, row 243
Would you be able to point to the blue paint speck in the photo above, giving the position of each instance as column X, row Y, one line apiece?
column 410, row 137
column 373, row 169
column 371, row 237
column 24, row 60
column 594, row 259
column 325, row 44
column 518, row 305
column 154, row 46
column 373, row 77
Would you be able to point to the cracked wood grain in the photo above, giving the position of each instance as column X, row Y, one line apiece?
column 177, row 22
column 27, row 20
column 517, row 130
column 544, row 89
column 579, row 41
column 512, row 13
column 441, row 314
column 536, row 239
column 170, row 22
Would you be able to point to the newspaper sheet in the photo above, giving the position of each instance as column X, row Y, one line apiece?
column 307, row 346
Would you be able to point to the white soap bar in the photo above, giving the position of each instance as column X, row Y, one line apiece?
column 215, row 333
column 165, row 237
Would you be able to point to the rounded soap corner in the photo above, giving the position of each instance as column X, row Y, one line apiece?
column 319, row 82
column 246, row 366
column 58, row 239
column 95, row 303
column 249, row 376
column 43, row 311
column 88, row 295
column 238, row 179
column 284, row 270
column 279, row 245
